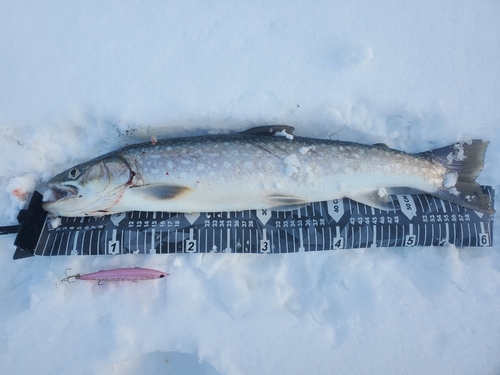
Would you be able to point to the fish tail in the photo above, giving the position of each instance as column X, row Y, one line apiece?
column 463, row 162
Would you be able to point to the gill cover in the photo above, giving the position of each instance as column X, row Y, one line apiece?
column 90, row 188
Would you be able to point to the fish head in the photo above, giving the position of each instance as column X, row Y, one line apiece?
column 88, row 189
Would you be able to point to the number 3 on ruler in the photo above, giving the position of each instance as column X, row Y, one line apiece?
column 265, row 246
column 190, row 246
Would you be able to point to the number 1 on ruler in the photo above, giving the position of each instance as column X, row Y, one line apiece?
column 114, row 247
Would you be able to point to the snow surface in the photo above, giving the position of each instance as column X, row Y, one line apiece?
column 82, row 78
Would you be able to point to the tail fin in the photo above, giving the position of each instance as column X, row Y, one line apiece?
column 463, row 161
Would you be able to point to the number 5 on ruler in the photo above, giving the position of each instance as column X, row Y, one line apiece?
column 410, row 240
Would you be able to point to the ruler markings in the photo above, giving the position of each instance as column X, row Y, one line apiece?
column 44, row 251
column 435, row 223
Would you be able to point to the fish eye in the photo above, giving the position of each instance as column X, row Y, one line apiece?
column 74, row 173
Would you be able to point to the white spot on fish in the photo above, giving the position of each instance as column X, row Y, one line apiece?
column 248, row 164
column 227, row 165
column 200, row 167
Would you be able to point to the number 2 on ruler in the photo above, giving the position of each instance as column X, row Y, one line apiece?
column 190, row 246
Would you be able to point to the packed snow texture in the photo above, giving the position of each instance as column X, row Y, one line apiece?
column 82, row 78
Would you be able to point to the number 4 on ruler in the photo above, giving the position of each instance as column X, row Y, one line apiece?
column 338, row 243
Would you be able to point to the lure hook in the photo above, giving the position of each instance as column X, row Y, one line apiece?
column 69, row 277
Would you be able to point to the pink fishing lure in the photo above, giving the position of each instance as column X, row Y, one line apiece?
column 119, row 274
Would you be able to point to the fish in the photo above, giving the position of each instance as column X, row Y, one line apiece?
column 266, row 167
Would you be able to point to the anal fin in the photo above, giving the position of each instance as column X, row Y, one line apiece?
column 286, row 203
column 375, row 199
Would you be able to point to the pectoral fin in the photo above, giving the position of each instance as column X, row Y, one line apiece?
column 159, row 191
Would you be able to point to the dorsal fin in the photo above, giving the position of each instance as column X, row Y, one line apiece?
column 269, row 130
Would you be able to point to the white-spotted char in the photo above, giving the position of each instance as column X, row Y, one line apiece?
column 258, row 169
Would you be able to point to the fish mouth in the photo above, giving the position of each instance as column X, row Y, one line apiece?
column 59, row 192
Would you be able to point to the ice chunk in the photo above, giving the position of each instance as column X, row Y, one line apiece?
column 450, row 180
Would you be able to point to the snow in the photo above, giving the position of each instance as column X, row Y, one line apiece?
column 292, row 165
column 283, row 133
column 81, row 79
column 450, row 180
